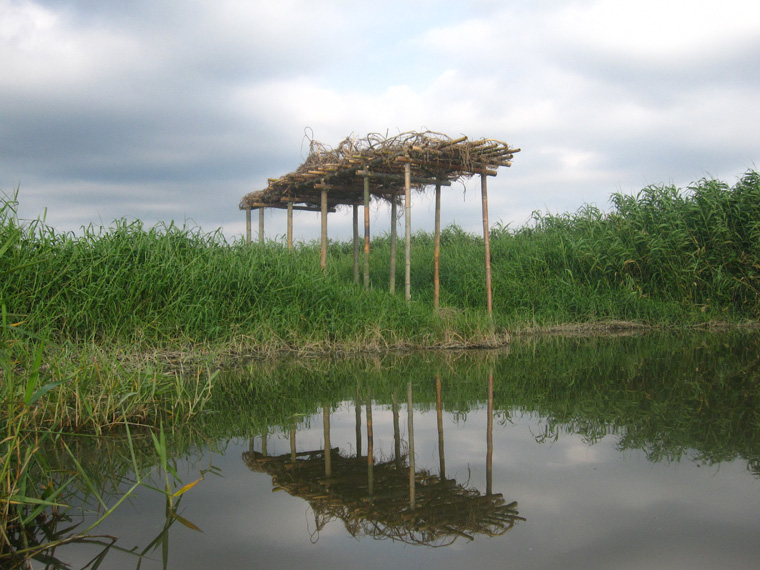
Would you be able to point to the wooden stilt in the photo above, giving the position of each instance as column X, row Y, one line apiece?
column 439, row 415
column 358, row 412
column 394, row 232
column 323, row 247
column 366, row 232
column 326, row 432
column 437, row 248
column 486, row 242
column 261, row 225
column 293, row 444
column 356, row 242
column 489, row 438
column 370, row 448
column 396, row 430
column 407, row 231
column 290, row 226
column 248, row 226
column 410, row 429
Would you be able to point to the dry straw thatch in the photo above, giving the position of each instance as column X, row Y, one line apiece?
column 443, row 512
column 434, row 158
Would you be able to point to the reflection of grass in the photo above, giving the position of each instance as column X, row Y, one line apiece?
column 678, row 395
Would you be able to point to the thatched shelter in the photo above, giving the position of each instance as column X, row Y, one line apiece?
column 380, row 168
column 442, row 511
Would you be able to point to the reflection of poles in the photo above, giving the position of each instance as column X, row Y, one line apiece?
column 489, row 437
column 293, row 443
column 370, row 448
column 326, row 429
column 410, row 419
column 439, row 413
column 358, row 408
column 396, row 430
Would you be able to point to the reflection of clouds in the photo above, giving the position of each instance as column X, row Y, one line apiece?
column 588, row 507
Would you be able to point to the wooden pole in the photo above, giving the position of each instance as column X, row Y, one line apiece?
column 410, row 429
column 293, row 443
column 394, row 224
column 356, row 242
column 439, row 416
column 326, row 431
column 370, row 447
column 489, row 438
column 486, row 242
column 407, row 232
column 323, row 247
column 366, row 232
column 358, row 411
column 437, row 248
column 261, row 225
column 290, row 226
column 248, row 226
column 396, row 429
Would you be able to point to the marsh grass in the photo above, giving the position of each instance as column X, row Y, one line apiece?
column 78, row 311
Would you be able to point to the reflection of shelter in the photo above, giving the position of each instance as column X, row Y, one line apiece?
column 384, row 169
column 387, row 499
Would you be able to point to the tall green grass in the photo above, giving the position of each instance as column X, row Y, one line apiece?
column 664, row 256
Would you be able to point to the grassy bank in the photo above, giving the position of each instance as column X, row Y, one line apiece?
column 80, row 312
column 666, row 256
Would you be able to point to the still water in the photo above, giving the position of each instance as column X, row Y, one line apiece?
column 631, row 452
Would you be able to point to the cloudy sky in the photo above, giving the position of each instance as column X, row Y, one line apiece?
column 174, row 109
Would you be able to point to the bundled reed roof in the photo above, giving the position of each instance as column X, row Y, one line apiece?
column 444, row 511
column 434, row 158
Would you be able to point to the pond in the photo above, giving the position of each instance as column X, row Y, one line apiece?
column 615, row 452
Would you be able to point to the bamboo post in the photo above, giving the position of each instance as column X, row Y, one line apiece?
column 489, row 438
column 394, row 224
column 396, row 429
column 408, row 231
column 410, row 428
column 356, row 242
column 437, row 248
column 439, row 415
column 248, row 225
column 366, row 232
column 358, row 407
column 370, row 448
column 261, row 225
column 323, row 247
column 326, row 431
column 486, row 242
column 293, row 443
column 264, row 444
column 290, row 226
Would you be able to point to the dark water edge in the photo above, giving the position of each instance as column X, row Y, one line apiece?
column 625, row 452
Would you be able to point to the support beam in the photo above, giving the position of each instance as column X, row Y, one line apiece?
column 415, row 180
column 410, row 432
column 486, row 243
column 326, row 436
column 407, row 232
column 437, row 248
column 261, row 225
column 355, row 209
column 290, row 226
column 323, row 247
column 394, row 232
column 366, row 233
column 248, row 226
column 489, row 438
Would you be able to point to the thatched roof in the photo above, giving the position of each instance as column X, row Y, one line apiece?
column 434, row 158
column 444, row 510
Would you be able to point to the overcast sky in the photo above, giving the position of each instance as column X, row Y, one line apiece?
column 174, row 109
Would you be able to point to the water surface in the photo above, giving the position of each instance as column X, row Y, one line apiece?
column 631, row 452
